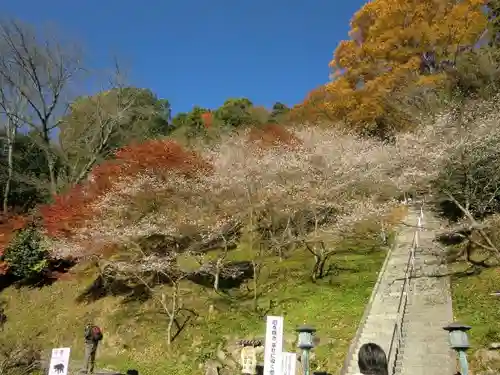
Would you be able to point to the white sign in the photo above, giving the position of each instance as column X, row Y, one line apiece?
column 248, row 360
column 289, row 363
column 59, row 361
column 273, row 347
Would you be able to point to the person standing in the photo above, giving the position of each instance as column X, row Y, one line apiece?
column 93, row 335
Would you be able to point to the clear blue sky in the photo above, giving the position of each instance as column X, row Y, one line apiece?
column 204, row 51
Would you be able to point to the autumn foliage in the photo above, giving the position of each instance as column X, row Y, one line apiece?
column 273, row 135
column 383, row 56
column 313, row 109
column 72, row 209
column 207, row 118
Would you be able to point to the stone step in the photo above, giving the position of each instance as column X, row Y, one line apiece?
column 426, row 304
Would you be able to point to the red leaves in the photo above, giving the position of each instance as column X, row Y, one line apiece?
column 67, row 212
column 72, row 209
column 207, row 119
column 274, row 135
column 164, row 155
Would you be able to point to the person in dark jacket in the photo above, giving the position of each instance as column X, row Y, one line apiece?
column 372, row 360
column 93, row 335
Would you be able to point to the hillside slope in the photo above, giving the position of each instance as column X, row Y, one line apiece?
column 135, row 330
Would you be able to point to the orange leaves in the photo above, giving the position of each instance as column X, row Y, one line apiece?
column 159, row 155
column 72, row 209
column 274, row 135
column 207, row 118
column 388, row 38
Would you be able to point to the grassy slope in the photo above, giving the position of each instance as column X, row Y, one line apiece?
column 135, row 332
column 473, row 305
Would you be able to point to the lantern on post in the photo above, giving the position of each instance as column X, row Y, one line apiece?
column 459, row 341
column 306, row 343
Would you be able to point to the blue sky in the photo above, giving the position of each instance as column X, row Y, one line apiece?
column 200, row 51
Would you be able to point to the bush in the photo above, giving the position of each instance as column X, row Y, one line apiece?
column 18, row 358
column 26, row 254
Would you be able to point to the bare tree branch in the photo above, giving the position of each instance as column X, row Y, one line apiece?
column 39, row 71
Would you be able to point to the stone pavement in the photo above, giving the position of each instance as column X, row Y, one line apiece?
column 423, row 347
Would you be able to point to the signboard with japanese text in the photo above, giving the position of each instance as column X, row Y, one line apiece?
column 273, row 346
column 289, row 363
column 248, row 360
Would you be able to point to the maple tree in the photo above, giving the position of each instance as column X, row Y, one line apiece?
column 71, row 209
column 384, row 54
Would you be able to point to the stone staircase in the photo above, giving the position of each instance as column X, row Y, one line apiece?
column 418, row 345
column 425, row 349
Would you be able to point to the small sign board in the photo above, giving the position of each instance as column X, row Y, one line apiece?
column 59, row 361
column 289, row 363
column 248, row 360
column 273, row 347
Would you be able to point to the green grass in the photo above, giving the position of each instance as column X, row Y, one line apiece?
column 473, row 305
column 135, row 332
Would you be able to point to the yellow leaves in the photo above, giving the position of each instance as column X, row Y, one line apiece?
column 383, row 56
column 435, row 80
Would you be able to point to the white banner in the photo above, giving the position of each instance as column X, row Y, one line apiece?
column 289, row 363
column 59, row 361
column 273, row 347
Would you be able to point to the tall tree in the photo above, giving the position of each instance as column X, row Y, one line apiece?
column 11, row 103
column 493, row 7
column 279, row 111
column 26, row 169
column 96, row 125
column 235, row 112
column 190, row 124
column 388, row 39
column 40, row 71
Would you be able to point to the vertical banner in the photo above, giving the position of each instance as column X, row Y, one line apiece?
column 289, row 363
column 273, row 347
column 59, row 361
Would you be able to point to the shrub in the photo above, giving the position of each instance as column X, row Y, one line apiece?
column 9, row 225
column 18, row 358
column 26, row 255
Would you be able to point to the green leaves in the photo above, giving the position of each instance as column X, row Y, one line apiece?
column 26, row 254
column 235, row 112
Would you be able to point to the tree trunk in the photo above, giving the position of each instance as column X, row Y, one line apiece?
column 52, row 174
column 318, row 271
column 172, row 314
column 217, row 275
column 10, row 165
column 321, row 268
column 255, row 294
